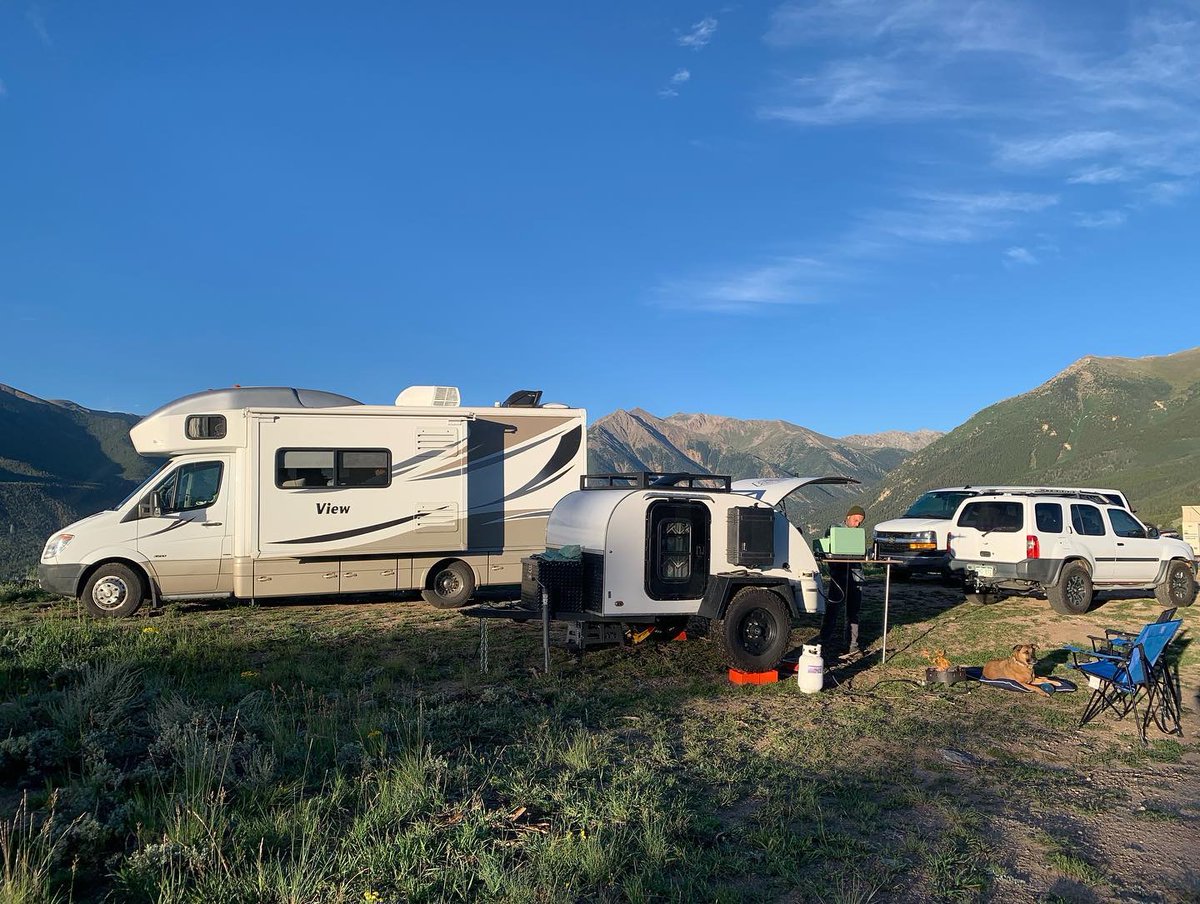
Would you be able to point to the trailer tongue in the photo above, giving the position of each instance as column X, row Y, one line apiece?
column 655, row 549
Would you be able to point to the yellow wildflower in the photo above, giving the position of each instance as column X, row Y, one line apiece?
column 371, row 897
column 150, row 630
column 374, row 733
column 249, row 673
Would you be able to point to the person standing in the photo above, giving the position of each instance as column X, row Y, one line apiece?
column 844, row 592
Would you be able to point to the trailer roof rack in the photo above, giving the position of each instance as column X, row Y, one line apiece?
column 640, row 480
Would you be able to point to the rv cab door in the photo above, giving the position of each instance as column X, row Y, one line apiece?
column 184, row 527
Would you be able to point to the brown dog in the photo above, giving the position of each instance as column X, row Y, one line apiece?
column 1019, row 668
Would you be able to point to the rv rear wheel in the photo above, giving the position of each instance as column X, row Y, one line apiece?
column 450, row 586
column 755, row 630
column 113, row 591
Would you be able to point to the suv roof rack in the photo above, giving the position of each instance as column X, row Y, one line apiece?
column 1067, row 494
column 640, row 480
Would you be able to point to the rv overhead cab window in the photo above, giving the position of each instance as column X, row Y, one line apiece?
column 206, row 426
column 298, row 469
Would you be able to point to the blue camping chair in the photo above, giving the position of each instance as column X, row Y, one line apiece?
column 1132, row 672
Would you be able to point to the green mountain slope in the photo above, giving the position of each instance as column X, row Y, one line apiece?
column 58, row 462
column 1129, row 423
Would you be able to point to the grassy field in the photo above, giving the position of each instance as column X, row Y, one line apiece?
column 354, row 752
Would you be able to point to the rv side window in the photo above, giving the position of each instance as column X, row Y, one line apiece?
column 307, row 468
column 364, row 468
column 205, row 426
column 300, row 468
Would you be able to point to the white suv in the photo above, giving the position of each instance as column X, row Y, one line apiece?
column 1064, row 546
column 918, row 538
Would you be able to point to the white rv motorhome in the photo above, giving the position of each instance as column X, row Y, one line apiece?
column 658, row 548
column 274, row 491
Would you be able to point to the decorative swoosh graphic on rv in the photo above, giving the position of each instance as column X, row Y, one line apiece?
column 171, row 527
column 356, row 532
column 568, row 446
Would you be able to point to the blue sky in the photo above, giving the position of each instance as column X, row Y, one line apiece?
column 855, row 215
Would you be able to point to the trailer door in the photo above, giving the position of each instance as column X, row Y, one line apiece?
column 677, row 558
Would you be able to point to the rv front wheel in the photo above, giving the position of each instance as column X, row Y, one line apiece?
column 755, row 630
column 450, row 586
column 113, row 591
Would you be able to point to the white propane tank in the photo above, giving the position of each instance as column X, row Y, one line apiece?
column 810, row 670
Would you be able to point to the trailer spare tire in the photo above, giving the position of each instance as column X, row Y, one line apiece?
column 451, row 584
column 755, row 629
column 113, row 591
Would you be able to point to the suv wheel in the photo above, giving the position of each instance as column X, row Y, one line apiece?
column 1178, row 587
column 1073, row 593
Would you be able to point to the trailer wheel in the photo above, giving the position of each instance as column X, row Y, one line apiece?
column 450, row 586
column 755, row 630
column 113, row 591
column 1178, row 587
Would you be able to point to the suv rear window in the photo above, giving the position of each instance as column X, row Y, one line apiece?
column 1087, row 520
column 1005, row 517
column 1049, row 517
column 937, row 505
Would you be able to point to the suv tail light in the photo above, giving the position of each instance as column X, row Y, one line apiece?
column 1033, row 549
column 949, row 537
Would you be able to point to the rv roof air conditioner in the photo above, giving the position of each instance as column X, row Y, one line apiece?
column 429, row 397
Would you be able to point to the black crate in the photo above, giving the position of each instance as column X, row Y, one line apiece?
column 752, row 536
column 562, row 579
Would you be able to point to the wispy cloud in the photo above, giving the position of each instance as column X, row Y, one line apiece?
column 782, row 281
column 672, row 88
column 1101, row 219
column 919, row 220
column 1019, row 256
column 1057, row 95
column 1101, row 175
column 37, row 21
column 699, row 35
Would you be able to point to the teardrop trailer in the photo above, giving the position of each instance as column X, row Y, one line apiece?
column 656, row 549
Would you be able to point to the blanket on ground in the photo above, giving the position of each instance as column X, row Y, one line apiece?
column 975, row 672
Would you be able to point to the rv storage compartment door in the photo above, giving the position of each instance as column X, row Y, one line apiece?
column 752, row 536
column 368, row 575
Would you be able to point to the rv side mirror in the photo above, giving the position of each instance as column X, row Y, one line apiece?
column 1151, row 531
column 150, row 506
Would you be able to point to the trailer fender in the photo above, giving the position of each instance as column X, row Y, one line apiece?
column 722, row 588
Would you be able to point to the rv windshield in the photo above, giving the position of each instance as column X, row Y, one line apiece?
column 937, row 505
column 141, row 487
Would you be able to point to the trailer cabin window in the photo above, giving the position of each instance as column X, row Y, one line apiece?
column 308, row 468
column 675, row 558
column 205, row 426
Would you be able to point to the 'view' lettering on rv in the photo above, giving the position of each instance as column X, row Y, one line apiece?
column 287, row 492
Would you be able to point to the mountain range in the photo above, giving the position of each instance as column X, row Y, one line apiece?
column 1129, row 423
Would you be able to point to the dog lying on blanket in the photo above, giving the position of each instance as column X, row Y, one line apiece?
column 1019, row 668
